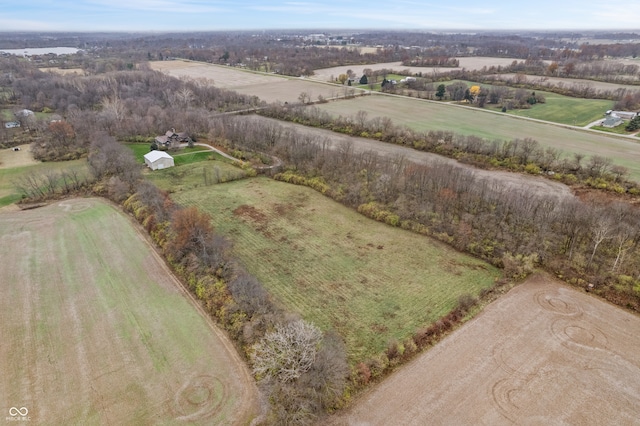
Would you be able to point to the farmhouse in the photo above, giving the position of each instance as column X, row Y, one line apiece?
column 157, row 160
column 170, row 139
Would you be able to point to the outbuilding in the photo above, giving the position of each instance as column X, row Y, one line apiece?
column 157, row 160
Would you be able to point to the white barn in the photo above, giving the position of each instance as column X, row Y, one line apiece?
column 157, row 160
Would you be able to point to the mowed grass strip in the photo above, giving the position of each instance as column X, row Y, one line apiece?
column 96, row 331
column 371, row 282
column 424, row 116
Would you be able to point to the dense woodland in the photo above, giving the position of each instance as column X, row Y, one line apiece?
column 593, row 241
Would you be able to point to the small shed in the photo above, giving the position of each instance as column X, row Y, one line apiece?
column 157, row 160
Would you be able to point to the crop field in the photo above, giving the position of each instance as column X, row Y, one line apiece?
column 371, row 282
column 570, row 82
column 543, row 353
column 469, row 63
column 95, row 329
column 267, row 87
column 423, row 116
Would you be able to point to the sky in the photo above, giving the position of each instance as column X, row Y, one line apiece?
column 215, row 15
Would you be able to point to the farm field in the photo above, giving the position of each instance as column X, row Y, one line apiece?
column 268, row 87
column 469, row 63
column 497, row 178
column 543, row 353
column 566, row 110
column 557, row 108
column 569, row 82
column 424, row 116
column 96, row 330
column 369, row 281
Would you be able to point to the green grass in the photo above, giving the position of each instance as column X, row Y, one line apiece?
column 8, row 191
column 369, row 281
column 194, row 175
column 424, row 116
column 182, row 156
column 618, row 130
column 195, row 157
column 566, row 110
column 556, row 108
column 6, row 115
column 102, row 314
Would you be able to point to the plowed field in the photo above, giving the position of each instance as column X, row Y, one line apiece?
column 542, row 354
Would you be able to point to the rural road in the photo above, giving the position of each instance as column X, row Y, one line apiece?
column 497, row 179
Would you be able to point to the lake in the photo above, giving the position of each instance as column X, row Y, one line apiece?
column 31, row 51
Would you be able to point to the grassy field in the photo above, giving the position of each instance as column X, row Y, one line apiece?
column 97, row 331
column 8, row 192
column 557, row 108
column 140, row 149
column 423, row 116
column 566, row 110
column 369, row 281
column 191, row 176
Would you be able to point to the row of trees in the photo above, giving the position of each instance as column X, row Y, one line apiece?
column 584, row 241
column 301, row 370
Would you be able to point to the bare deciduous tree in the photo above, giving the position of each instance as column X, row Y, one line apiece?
column 286, row 353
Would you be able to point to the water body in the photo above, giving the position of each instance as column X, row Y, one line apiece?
column 31, row 51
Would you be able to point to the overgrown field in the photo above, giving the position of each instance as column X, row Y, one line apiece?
column 424, row 116
column 15, row 171
column 96, row 331
column 191, row 176
column 371, row 282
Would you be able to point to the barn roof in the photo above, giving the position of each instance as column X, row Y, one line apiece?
column 156, row 155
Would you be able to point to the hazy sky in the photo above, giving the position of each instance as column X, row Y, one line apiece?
column 186, row 15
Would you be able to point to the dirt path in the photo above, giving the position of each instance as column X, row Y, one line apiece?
column 544, row 353
column 497, row 179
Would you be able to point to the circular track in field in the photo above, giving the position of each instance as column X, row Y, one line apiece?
column 558, row 304
column 73, row 206
column 579, row 336
column 199, row 398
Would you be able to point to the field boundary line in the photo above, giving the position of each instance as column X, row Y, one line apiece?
column 250, row 409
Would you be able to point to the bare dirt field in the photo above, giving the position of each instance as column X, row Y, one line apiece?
column 499, row 179
column 542, row 354
column 473, row 63
column 268, row 87
column 570, row 82
column 95, row 329
column 10, row 158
